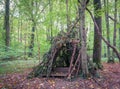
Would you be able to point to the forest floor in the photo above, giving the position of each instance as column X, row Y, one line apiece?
column 110, row 79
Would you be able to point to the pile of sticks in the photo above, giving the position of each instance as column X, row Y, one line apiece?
column 65, row 51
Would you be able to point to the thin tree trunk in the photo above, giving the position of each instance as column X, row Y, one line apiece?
column 38, row 44
column 111, row 46
column 83, row 38
column 48, row 33
column 80, row 18
column 104, row 47
column 7, row 24
column 61, row 24
column 11, row 23
column 25, row 47
column 21, row 23
column 31, row 46
column 107, row 26
column 104, row 51
column 18, row 31
column 32, row 41
column 115, row 23
column 67, row 15
column 97, row 38
column 50, row 1
column 119, row 31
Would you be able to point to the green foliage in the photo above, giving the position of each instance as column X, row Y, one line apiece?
column 21, row 65
column 16, row 66
column 24, row 11
column 11, row 54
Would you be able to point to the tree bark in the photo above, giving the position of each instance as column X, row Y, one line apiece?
column 32, row 42
column 111, row 46
column 115, row 24
column 21, row 24
column 33, row 29
column 82, row 7
column 97, row 38
column 7, row 24
column 51, row 21
column 18, row 30
column 107, row 26
column 119, row 31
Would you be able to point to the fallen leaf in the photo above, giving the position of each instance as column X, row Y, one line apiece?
column 91, row 86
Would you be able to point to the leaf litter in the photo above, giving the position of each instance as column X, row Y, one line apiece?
column 110, row 79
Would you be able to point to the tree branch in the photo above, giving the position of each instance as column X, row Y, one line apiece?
column 107, row 43
column 113, row 19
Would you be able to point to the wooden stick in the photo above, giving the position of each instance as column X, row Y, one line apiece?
column 54, row 51
column 77, row 61
column 71, row 61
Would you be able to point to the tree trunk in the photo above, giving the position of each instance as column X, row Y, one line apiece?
column 83, row 38
column 21, row 23
column 97, row 38
column 105, row 51
column 115, row 24
column 33, row 30
column 107, row 26
column 18, row 30
column 111, row 46
column 25, row 47
column 51, row 21
column 6, row 24
column 67, row 14
column 32, row 41
column 119, row 31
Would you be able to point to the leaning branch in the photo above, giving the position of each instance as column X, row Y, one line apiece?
column 107, row 43
column 113, row 19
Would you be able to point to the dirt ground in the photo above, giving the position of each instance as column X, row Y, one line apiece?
column 110, row 79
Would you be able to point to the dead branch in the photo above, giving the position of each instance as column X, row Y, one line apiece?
column 107, row 43
column 51, row 62
column 113, row 19
column 77, row 61
column 72, row 59
column 74, row 24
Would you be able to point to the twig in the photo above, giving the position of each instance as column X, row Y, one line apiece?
column 77, row 20
column 51, row 62
column 72, row 59
column 98, row 83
